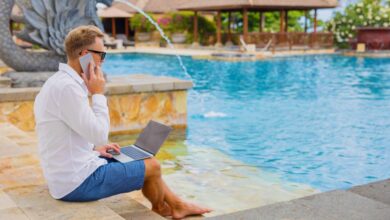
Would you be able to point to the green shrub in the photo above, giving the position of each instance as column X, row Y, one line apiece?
column 365, row 13
column 206, row 28
column 141, row 23
column 181, row 22
column 184, row 22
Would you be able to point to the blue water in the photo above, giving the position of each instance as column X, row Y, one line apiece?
column 319, row 120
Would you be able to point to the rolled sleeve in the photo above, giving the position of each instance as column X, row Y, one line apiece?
column 99, row 99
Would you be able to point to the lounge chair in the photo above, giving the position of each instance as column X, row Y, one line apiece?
column 252, row 47
column 109, row 42
column 126, row 43
column 247, row 47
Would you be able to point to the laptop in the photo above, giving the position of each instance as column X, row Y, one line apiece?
column 147, row 144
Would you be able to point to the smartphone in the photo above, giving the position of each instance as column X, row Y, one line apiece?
column 84, row 61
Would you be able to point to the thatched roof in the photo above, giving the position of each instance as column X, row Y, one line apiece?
column 214, row 5
column 150, row 6
column 113, row 12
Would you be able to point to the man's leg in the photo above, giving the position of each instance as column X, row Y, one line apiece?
column 153, row 188
column 159, row 194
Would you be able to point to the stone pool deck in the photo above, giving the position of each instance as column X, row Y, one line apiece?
column 24, row 194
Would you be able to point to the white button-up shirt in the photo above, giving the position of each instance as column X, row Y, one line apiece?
column 68, row 128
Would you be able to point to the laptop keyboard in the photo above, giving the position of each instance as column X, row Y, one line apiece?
column 134, row 153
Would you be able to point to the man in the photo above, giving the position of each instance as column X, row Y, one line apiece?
column 73, row 137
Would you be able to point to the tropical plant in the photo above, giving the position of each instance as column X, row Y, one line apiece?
column 165, row 22
column 206, row 28
column 141, row 23
column 184, row 22
column 175, row 22
column 365, row 13
column 181, row 22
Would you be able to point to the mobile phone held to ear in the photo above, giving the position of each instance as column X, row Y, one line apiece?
column 84, row 61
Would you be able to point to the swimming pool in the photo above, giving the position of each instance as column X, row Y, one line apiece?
column 318, row 120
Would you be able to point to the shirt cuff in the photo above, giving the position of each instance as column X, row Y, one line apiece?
column 99, row 99
column 96, row 153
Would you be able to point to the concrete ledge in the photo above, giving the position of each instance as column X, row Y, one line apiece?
column 372, row 54
column 5, row 82
column 18, row 94
column 379, row 191
column 337, row 204
column 115, row 86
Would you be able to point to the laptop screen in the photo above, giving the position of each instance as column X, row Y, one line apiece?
column 152, row 137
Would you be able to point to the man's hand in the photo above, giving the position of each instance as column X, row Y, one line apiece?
column 103, row 149
column 96, row 81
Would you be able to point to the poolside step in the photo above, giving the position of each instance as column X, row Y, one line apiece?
column 128, row 208
column 379, row 191
column 323, row 206
column 34, row 202
column 24, row 194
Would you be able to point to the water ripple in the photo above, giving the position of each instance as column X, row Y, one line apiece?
column 318, row 120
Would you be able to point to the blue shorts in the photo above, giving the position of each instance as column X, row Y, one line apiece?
column 110, row 179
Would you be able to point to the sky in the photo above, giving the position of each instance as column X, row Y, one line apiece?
column 326, row 14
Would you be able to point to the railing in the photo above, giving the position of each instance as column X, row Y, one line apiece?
column 289, row 41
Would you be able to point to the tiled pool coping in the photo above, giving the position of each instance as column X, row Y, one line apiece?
column 206, row 53
column 369, row 54
column 115, row 86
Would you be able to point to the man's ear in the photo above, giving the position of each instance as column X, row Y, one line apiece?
column 83, row 52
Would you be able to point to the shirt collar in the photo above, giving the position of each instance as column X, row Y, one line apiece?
column 71, row 72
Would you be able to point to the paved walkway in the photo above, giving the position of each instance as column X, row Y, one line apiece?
column 24, row 194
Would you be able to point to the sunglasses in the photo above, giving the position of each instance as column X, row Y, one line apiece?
column 102, row 54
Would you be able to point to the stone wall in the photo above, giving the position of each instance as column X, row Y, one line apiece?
column 132, row 101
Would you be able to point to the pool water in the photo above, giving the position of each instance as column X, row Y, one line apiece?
column 319, row 120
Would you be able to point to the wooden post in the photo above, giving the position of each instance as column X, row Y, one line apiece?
column 282, row 15
column 245, row 15
column 261, row 21
column 127, row 28
column 229, row 28
column 306, row 16
column 113, row 27
column 315, row 20
column 315, row 28
column 286, row 21
column 219, row 39
column 195, row 27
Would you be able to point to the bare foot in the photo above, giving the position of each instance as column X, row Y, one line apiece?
column 185, row 209
column 164, row 211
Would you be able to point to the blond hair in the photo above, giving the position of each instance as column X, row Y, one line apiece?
column 80, row 38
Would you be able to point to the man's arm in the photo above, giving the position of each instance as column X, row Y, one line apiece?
column 91, row 123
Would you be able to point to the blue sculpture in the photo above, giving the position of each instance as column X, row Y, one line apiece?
column 47, row 22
